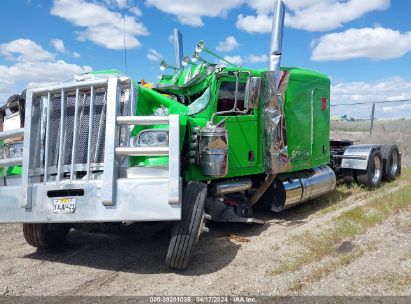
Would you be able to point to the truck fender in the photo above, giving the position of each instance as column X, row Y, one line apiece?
column 356, row 157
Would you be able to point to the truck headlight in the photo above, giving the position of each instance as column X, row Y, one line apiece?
column 13, row 150
column 152, row 138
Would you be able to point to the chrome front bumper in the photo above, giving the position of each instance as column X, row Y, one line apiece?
column 137, row 199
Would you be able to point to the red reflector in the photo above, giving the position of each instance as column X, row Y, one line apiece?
column 324, row 104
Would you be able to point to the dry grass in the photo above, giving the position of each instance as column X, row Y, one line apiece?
column 327, row 268
column 345, row 228
column 381, row 126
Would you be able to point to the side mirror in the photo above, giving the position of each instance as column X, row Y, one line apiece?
column 252, row 93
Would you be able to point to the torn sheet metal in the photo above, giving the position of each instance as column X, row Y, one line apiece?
column 275, row 135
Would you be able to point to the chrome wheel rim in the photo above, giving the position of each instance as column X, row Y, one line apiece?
column 394, row 163
column 376, row 170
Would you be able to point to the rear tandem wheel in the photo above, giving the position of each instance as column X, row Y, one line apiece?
column 372, row 176
column 391, row 162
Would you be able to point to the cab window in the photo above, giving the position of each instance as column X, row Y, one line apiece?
column 226, row 97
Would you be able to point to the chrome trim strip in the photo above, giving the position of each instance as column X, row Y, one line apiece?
column 174, row 183
column 26, row 187
column 143, row 120
column 90, row 130
column 81, row 85
column 61, row 136
column 112, row 140
column 46, row 144
column 142, row 151
column 100, row 126
column 75, row 131
column 11, row 133
column 11, row 162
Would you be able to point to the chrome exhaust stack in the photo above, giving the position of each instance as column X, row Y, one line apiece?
column 277, row 36
column 178, row 48
column 273, row 89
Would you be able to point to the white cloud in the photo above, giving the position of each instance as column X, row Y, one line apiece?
column 34, row 66
column 192, row 12
column 392, row 89
column 237, row 60
column 257, row 58
column 102, row 26
column 309, row 15
column 153, row 55
column 32, row 74
column 374, row 43
column 40, row 72
column 136, row 11
column 255, row 24
column 395, row 88
column 58, row 44
column 331, row 14
column 229, row 44
column 121, row 4
column 242, row 60
column 24, row 50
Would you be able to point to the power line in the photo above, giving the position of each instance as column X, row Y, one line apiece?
column 370, row 102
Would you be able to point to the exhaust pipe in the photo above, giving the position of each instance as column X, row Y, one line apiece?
column 277, row 36
column 275, row 135
column 228, row 187
column 298, row 187
column 178, row 48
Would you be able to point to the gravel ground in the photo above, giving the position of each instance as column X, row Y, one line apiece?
column 232, row 259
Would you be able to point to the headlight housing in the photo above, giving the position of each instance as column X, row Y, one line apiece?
column 152, row 138
column 13, row 150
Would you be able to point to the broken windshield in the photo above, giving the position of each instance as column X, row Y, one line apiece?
column 200, row 103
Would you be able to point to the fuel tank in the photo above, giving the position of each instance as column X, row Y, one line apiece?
column 291, row 189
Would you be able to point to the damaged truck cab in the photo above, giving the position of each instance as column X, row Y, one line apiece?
column 208, row 142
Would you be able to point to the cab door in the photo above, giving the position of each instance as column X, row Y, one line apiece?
column 242, row 126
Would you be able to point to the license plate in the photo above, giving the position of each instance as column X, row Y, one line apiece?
column 64, row 205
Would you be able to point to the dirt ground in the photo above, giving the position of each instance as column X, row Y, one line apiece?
column 231, row 259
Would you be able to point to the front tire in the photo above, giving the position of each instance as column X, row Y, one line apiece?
column 186, row 232
column 371, row 178
column 45, row 236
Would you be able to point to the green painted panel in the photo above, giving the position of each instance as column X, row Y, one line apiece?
column 307, row 122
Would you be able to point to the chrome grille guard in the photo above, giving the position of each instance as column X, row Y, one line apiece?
column 118, row 121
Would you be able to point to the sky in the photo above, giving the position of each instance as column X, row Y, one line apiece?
column 363, row 46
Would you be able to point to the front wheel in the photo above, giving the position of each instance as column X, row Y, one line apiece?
column 185, row 233
column 45, row 236
column 371, row 178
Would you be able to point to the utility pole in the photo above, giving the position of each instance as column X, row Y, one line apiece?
column 372, row 117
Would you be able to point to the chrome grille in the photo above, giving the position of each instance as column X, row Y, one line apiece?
column 98, row 129
column 48, row 123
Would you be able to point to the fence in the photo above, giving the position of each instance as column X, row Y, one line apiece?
column 372, row 111
column 379, row 122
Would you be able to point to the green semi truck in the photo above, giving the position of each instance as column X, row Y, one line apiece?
column 209, row 142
